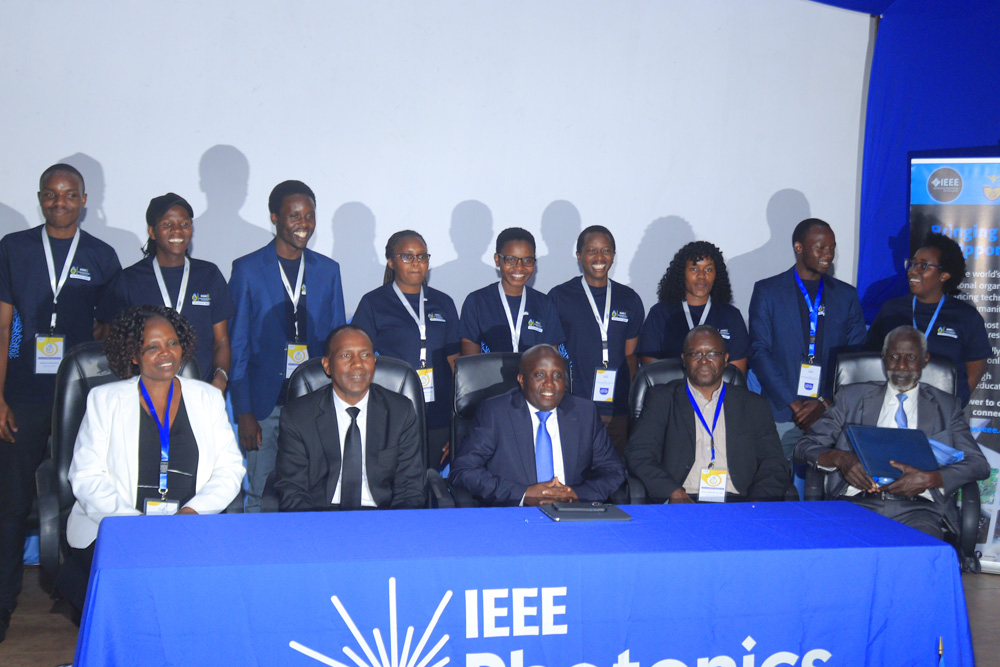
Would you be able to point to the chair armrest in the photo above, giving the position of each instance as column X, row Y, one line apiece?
column 636, row 491
column 48, row 517
column 968, row 527
column 815, row 485
column 236, row 506
column 440, row 495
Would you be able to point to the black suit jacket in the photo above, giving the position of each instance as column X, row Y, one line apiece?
column 309, row 458
column 496, row 462
column 661, row 447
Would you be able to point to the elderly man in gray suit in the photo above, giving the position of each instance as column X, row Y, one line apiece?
column 918, row 498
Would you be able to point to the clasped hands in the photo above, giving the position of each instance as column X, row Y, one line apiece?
column 912, row 483
column 546, row 493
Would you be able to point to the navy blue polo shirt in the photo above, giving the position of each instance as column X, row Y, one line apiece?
column 395, row 334
column 485, row 323
column 24, row 283
column 206, row 303
column 959, row 332
column 666, row 326
column 583, row 336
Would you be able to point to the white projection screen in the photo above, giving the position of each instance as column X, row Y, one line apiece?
column 665, row 120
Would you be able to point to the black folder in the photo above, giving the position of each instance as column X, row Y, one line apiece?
column 876, row 446
column 584, row 512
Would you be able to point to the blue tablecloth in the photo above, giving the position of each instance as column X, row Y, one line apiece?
column 823, row 583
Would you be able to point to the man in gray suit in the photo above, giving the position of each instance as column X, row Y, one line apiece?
column 918, row 498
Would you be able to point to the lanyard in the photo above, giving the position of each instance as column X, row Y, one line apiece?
column 602, row 324
column 515, row 331
column 704, row 313
column 813, row 313
column 50, row 263
column 418, row 318
column 715, row 421
column 937, row 311
column 163, row 285
column 293, row 295
column 164, row 429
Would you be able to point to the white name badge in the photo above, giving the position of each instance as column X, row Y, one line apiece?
column 809, row 381
column 160, row 507
column 712, row 488
column 295, row 355
column 48, row 353
column 604, row 385
column 426, row 376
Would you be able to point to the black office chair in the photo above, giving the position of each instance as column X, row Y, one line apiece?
column 83, row 368
column 854, row 367
column 477, row 377
column 661, row 372
column 392, row 374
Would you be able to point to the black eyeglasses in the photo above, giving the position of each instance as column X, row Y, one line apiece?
column 408, row 257
column 698, row 356
column 512, row 260
column 920, row 267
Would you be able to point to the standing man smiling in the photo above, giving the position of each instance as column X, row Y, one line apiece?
column 50, row 280
column 797, row 318
column 278, row 325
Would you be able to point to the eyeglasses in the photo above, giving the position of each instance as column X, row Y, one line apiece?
column 920, row 267
column 512, row 260
column 408, row 257
column 593, row 252
column 698, row 356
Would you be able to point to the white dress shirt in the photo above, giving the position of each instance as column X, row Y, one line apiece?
column 890, row 404
column 343, row 423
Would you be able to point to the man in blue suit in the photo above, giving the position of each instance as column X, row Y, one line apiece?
column 799, row 320
column 538, row 445
column 279, row 324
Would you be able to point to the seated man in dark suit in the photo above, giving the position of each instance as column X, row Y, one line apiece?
column 699, row 424
column 538, row 445
column 354, row 446
column 920, row 499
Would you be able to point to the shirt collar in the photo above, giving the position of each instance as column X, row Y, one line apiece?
column 341, row 406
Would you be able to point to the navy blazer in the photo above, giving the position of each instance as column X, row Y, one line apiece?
column 496, row 462
column 257, row 333
column 309, row 456
column 661, row 446
column 778, row 344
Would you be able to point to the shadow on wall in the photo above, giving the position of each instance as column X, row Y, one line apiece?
column 561, row 225
column 224, row 176
column 896, row 284
column 472, row 236
column 127, row 241
column 661, row 240
column 11, row 220
column 361, row 266
column 785, row 209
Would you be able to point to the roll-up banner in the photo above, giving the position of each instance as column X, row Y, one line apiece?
column 960, row 198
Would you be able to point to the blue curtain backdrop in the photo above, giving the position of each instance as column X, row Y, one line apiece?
column 933, row 86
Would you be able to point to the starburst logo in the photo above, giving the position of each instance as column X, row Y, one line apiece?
column 394, row 658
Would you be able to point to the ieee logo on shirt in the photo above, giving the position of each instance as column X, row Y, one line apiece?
column 947, row 331
column 535, row 325
column 80, row 273
column 201, row 299
column 435, row 317
column 619, row 316
column 724, row 333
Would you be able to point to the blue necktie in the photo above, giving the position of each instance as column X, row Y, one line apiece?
column 900, row 415
column 544, row 470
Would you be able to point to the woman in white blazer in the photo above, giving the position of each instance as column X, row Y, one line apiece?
column 116, row 468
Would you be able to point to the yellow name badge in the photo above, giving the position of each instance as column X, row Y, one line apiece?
column 160, row 507
column 427, row 382
column 295, row 356
column 48, row 353
column 604, row 385
column 713, row 486
column 809, row 381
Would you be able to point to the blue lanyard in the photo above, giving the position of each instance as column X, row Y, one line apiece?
column 715, row 421
column 813, row 313
column 164, row 429
column 937, row 311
